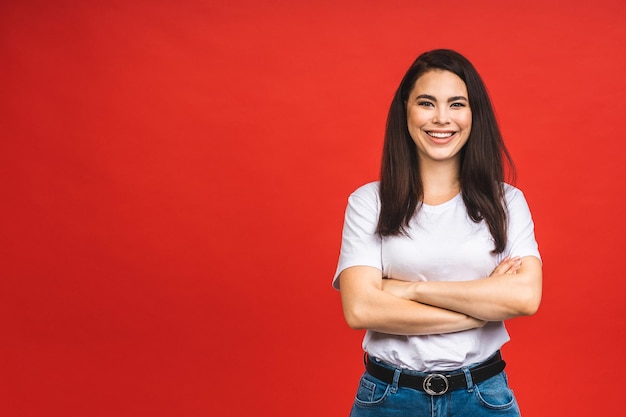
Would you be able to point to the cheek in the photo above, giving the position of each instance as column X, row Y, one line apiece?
column 466, row 121
column 415, row 118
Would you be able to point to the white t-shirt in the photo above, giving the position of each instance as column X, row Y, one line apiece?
column 444, row 244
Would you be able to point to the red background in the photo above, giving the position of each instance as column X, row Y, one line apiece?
column 174, row 176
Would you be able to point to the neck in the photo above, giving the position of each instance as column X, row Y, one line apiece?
column 440, row 180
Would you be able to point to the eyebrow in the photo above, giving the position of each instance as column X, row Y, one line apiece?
column 450, row 100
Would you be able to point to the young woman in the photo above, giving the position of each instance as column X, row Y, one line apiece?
column 438, row 253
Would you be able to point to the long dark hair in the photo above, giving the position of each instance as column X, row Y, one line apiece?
column 482, row 157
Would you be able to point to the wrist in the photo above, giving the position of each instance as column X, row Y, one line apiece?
column 416, row 291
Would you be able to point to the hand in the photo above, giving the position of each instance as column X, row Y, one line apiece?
column 509, row 265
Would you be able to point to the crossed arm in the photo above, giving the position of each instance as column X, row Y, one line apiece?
column 417, row 308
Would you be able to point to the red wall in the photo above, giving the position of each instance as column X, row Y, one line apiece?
column 174, row 176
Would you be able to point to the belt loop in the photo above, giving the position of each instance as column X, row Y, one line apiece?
column 468, row 379
column 396, row 380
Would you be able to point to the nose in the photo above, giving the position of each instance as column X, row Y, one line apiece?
column 441, row 115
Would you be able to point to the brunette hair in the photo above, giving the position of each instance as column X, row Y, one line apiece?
column 482, row 157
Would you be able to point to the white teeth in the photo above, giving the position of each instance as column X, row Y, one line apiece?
column 441, row 135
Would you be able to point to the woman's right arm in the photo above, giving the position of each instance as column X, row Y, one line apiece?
column 367, row 306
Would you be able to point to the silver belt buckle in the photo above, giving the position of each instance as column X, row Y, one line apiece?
column 428, row 383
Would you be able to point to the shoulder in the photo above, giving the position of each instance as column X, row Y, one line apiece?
column 368, row 192
column 364, row 201
column 512, row 194
column 515, row 200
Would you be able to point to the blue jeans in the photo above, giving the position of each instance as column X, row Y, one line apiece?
column 492, row 397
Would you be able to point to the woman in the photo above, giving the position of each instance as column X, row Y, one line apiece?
column 438, row 253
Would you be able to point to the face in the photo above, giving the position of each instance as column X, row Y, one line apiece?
column 439, row 117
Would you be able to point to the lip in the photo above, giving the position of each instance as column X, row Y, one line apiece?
column 439, row 139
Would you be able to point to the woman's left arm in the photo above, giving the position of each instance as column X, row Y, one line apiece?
column 501, row 296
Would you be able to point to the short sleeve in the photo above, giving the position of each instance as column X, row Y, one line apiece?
column 360, row 245
column 521, row 232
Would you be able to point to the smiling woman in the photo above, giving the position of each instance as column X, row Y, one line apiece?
column 438, row 253
column 439, row 117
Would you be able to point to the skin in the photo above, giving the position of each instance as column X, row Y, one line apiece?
column 439, row 118
column 439, row 121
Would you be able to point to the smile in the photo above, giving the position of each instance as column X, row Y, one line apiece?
column 440, row 135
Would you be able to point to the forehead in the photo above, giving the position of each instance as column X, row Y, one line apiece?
column 439, row 83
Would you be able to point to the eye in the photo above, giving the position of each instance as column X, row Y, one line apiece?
column 458, row 105
column 425, row 104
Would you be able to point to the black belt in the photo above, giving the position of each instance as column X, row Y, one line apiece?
column 438, row 383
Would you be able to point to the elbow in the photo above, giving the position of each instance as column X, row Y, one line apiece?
column 355, row 318
column 355, row 325
column 529, row 304
column 529, row 310
column 529, row 288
